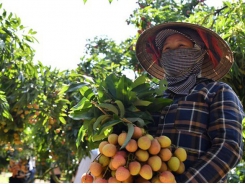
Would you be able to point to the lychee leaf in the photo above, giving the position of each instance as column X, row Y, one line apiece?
column 121, row 108
column 138, row 81
column 129, row 134
column 99, row 137
column 122, row 91
column 142, row 103
column 98, row 120
column 110, row 84
column 75, row 86
column 109, row 107
column 108, row 125
column 137, row 121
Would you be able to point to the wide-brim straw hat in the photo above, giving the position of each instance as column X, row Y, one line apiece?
column 216, row 64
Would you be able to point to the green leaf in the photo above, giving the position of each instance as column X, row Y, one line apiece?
column 132, row 108
column 98, row 120
column 87, row 92
column 81, row 133
column 109, row 107
column 141, row 88
column 161, row 87
column 122, row 89
column 7, row 115
column 64, row 88
column 4, row 13
column 99, row 137
column 132, row 96
column 88, row 79
column 62, row 120
column 10, row 15
column 110, row 84
column 75, row 87
column 81, row 115
column 138, row 81
column 121, row 108
column 137, row 121
column 141, row 103
column 83, row 104
column 109, row 124
column 129, row 135
column 158, row 104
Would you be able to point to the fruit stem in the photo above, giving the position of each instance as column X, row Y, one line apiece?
column 107, row 168
column 125, row 120
column 96, row 105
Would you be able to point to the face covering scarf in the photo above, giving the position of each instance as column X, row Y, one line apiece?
column 182, row 66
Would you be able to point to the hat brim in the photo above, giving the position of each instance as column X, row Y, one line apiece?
column 208, row 69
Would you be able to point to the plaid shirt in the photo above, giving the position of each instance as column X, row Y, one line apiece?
column 208, row 124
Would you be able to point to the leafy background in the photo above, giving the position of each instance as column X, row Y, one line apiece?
column 54, row 114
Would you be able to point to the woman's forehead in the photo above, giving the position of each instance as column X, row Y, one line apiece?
column 176, row 37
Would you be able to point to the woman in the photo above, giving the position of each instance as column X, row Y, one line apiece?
column 206, row 116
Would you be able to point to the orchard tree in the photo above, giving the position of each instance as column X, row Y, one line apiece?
column 103, row 56
column 32, row 111
column 55, row 114
column 16, row 84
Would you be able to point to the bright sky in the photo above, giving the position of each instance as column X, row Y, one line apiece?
column 64, row 25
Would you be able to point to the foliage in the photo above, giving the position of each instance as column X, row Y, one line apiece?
column 103, row 57
column 31, row 108
column 116, row 104
column 61, row 115
column 15, row 52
